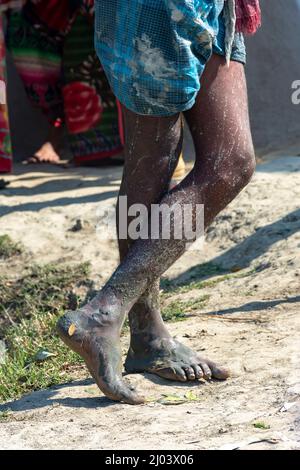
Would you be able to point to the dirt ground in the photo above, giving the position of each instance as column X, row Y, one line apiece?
column 249, row 323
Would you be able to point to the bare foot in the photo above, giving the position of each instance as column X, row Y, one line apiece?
column 97, row 339
column 171, row 360
column 49, row 151
column 46, row 154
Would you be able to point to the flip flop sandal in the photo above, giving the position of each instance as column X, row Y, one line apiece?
column 34, row 160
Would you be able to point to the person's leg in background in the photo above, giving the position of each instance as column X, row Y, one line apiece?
column 37, row 54
column 225, row 162
column 52, row 44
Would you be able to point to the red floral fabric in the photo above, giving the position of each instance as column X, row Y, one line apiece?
column 83, row 107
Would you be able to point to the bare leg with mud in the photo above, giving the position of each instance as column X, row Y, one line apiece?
column 224, row 165
column 152, row 348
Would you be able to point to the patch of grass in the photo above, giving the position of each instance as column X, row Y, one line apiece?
column 8, row 248
column 29, row 309
column 205, row 270
column 171, row 288
column 261, row 425
column 4, row 415
column 179, row 310
column 173, row 312
column 196, row 274
column 217, row 280
column 44, row 289
column 21, row 374
column 33, row 304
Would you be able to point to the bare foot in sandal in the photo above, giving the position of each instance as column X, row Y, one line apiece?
column 49, row 151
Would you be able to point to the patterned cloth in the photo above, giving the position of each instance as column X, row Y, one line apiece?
column 52, row 45
column 90, row 108
column 5, row 145
column 154, row 51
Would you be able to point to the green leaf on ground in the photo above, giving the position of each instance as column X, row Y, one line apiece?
column 261, row 425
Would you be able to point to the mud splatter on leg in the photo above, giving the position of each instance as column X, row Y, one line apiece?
column 225, row 139
column 224, row 164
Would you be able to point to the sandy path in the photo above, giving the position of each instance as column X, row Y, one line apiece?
column 250, row 323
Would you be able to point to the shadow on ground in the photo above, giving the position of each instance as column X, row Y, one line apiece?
column 50, row 397
column 59, row 180
column 255, row 306
column 245, row 252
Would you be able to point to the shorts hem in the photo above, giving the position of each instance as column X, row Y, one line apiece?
column 236, row 57
column 177, row 110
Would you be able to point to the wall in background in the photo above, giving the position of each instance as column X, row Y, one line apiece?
column 273, row 65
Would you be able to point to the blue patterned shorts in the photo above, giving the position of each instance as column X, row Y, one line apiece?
column 154, row 51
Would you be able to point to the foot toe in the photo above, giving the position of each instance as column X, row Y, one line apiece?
column 172, row 373
column 67, row 325
column 189, row 371
column 131, row 398
column 116, row 389
column 198, row 371
column 217, row 372
column 207, row 374
column 122, row 393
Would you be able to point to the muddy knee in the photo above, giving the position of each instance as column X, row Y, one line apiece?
column 234, row 176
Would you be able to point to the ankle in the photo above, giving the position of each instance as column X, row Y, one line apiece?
column 142, row 344
column 106, row 309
